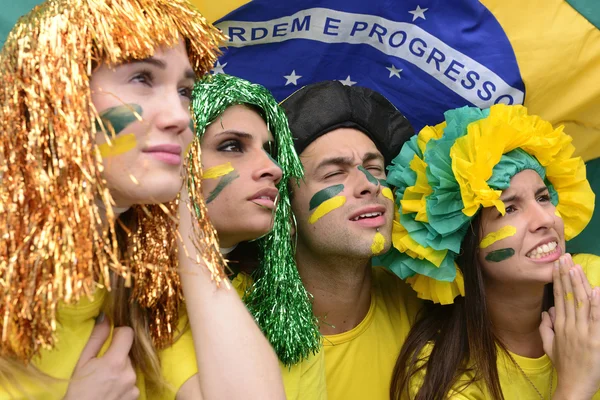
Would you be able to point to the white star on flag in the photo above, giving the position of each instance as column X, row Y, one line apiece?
column 218, row 69
column 418, row 13
column 347, row 82
column 394, row 71
column 292, row 78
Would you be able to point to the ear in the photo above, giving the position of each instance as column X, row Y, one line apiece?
column 294, row 226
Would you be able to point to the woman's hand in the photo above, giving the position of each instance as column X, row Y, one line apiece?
column 571, row 337
column 110, row 377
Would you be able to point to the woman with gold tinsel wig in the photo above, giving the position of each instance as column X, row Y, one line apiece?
column 94, row 122
column 486, row 201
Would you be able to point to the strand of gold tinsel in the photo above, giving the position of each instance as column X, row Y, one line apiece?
column 153, row 255
column 204, row 237
column 54, row 246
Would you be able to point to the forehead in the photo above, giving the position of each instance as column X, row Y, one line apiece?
column 341, row 142
column 240, row 118
column 524, row 183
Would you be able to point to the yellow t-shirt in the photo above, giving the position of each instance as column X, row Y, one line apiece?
column 305, row 380
column 359, row 362
column 513, row 382
column 73, row 329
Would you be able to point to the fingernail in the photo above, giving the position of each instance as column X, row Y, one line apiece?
column 556, row 264
column 571, row 272
column 594, row 292
column 100, row 318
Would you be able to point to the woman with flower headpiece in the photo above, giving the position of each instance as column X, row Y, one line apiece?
column 486, row 200
column 94, row 115
column 240, row 133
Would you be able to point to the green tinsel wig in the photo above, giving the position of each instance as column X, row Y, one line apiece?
column 278, row 300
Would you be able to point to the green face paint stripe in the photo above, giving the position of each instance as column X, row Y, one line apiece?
column 370, row 177
column 324, row 195
column 274, row 161
column 500, row 255
column 225, row 180
column 192, row 125
column 383, row 183
column 119, row 117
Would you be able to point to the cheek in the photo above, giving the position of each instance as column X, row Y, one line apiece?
column 501, row 244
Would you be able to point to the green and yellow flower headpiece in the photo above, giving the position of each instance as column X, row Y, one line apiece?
column 278, row 300
column 448, row 172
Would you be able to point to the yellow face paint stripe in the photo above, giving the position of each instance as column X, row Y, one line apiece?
column 387, row 192
column 557, row 213
column 326, row 207
column 217, row 171
column 493, row 237
column 119, row 145
column 378, row 243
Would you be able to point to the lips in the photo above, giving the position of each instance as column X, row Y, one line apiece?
column 265, row 197
column 369, row 217
column 167, row 153
column 545, row 251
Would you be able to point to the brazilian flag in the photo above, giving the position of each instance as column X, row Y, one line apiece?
column 426, row 56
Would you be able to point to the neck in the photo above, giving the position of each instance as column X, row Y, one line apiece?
column 104, row 214
column 515, row 312
column 341, row 288
column 227, row 250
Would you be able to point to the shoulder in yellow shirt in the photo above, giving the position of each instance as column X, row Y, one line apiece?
column 359, row 362
column 303, row 381
column 517, row 382
column 73, row 329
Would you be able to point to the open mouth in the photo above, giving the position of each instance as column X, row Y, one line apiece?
column 265, row 198
column 367, row 215
column 544, row 250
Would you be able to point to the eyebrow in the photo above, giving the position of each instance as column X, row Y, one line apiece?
column 539, row 191
column 188, row 74
column 239, row 134
column 347, row 161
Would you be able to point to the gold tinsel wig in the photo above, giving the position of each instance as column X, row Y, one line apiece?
column 54, row 247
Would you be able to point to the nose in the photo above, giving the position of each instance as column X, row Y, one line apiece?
column 541, row 216
column 267, row 168
column 366, row 184
column 173, row 115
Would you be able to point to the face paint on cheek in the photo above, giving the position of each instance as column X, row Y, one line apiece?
column 119, row 117
column 493, row 237
column 369, row 176
column 323, row 195
column 378, row 244
column 326, row 207
column 192, row 125
column 385, row 189
column 500, row 255
column 225, row 180
column 325, row 201
column 557, row 213
column 119, row 145
column 217, row 171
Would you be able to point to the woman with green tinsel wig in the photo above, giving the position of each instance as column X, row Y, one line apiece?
column 242, row 160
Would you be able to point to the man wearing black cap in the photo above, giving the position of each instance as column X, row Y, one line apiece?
column 346, row 136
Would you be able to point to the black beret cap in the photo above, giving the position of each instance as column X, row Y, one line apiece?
column 321, row 107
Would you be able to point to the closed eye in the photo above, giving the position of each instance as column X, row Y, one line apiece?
column 332, row 174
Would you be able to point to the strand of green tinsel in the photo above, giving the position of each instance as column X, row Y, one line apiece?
column 278, row 300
